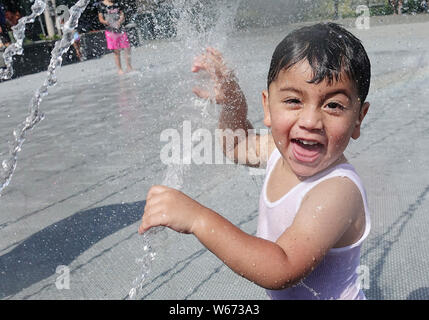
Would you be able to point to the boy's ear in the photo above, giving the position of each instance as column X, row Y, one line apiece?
column 266, row 105
column 363, row 112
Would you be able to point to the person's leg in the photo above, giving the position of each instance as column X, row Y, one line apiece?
column 128, row 59
column 117, row 54
column 125, row 44
column 393, row 5
column 76, row 47
column 113, row 44
column 400, row 7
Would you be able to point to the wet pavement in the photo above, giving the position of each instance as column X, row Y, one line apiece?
column 79, row 189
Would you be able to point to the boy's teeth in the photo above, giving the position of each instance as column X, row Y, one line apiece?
column 311, row 143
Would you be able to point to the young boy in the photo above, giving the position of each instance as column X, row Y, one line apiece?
column 313, row 214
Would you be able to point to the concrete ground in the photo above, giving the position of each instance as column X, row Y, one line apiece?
column 78, row 192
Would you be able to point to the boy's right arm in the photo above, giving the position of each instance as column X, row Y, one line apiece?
column 240, row 142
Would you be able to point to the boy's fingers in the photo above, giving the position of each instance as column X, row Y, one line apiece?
column 214, row 51
column 208, row 62
column 153, row 192
column 215, row 55
column 151, row 221
column 216, row 67
column 153, row 206
column 145, row 224
column 156, row 189
column 141, row 229
column 201, row 93
column 197, row 65
column 195, row 68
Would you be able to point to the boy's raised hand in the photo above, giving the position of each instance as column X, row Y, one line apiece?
column 223, row 78
column 170, row 208
column 211, row 61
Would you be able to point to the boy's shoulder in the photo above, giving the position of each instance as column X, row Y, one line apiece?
column 339, row 194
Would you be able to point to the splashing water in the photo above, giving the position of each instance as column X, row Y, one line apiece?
column 315, row 294
column 192, row 32
column 189, row 32
column 19, row 34
column 174, row 179
column 35, row 116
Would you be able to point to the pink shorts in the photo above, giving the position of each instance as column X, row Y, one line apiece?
column 116, row 40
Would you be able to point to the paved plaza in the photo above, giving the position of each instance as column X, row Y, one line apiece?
column 79, row 188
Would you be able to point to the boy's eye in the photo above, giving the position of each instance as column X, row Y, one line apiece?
column 292, row 101
column 335, row 106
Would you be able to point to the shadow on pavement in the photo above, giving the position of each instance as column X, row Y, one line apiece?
column 38, row 256
column 419, row 294
column 382, row 246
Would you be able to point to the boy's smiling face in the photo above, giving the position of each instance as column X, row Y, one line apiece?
column 312, row 123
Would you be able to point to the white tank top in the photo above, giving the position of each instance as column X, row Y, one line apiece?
column 336, row 276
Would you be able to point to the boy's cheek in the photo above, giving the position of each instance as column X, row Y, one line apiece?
column 267, row 121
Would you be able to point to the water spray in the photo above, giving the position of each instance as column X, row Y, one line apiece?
column 8, row 165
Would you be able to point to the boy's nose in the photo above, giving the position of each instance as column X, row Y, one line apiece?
column 310, row 119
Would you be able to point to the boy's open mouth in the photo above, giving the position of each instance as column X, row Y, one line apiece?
column 306, row 150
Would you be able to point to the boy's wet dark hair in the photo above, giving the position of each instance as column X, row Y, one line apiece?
column 331, row 52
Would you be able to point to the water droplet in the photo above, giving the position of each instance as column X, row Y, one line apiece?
column 132, row 293
column 5, row 164
column 138, row 260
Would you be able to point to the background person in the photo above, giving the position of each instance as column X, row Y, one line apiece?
column 111, row 14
